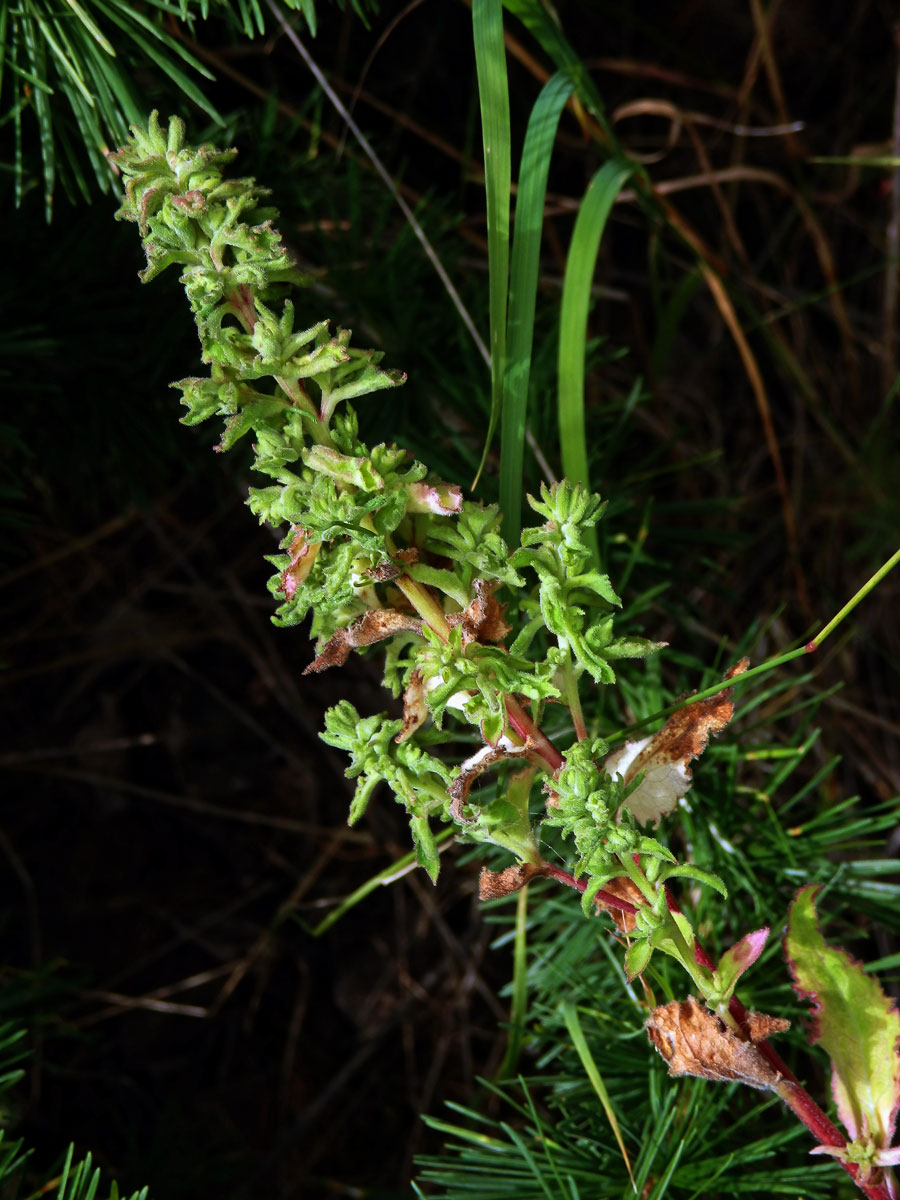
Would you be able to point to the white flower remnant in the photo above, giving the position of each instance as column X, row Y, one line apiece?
column 663, row 758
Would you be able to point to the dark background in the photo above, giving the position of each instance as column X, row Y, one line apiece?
column 172, row 828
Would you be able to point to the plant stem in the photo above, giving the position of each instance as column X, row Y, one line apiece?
column 573, row 700
column 852, row 602
column 794, row 1095
column 425, row 605
column 580, row 885
column 769, row 664
column 526, row 728
column 519, row 1005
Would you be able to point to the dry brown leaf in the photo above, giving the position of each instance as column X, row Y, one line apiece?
column 693, row 1041
column 415, row 710
column 302, row 554
column 623, row 889
column 664, row 757
column 474, row 766
column 493, row 884
column 482, row 620
column 386, row 571
column 373, row 626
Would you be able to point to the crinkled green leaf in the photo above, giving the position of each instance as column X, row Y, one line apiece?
column 854, row 1020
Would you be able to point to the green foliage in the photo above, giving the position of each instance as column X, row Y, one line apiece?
column 551, row 1144
column 416, row 778
column 77, row 1181
column 71, row 70
column 370, row 532
column 378, row 549
column 859, row 1026
column 560, row 555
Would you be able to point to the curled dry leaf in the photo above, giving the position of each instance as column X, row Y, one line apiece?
column 664, row 757
column 623, row 889
column 373, row 626
column 693, row 1041
column 415, row 710
column 482, row 620
column 474, row 766
column 302, row 554
column 386, row 571
column 494, row 884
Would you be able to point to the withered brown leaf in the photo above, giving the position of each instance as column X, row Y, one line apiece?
column 623, row 889
column 302, row 554
column 373, row 626
column 694, row 1041
column 415, row 709
column 487, row 756
column 493, row 884
column 664, row 757
column 482, row 620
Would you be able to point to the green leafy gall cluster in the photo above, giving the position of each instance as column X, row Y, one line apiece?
column 376, row 548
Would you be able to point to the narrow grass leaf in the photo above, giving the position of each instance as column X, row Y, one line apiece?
column 62, row 55
column 135, row 20
column 540, row 20
column 4, row 21
column 519, row 1005
column 90, row 25
column 579, row 1041
column 37, row 61
column 493, row 97
column 519, row 1143
column 525, row 262
column 576, row 300
column 401, row 866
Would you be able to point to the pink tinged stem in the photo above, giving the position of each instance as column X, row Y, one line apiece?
column 241, row 301
column 794, row 1094
column 526, row 728
column 580, row 885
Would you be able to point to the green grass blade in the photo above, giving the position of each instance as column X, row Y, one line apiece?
column 90, row 25
column 579, row 1041
column 526, row 250
column 543, row 24
column 115, row 95
column 400, row 866
column 62, row 54
column 4, row 21
column 519, row 1005
column 92, row 138
column 166, row 62
column 576, row 299
column 35, row 51
column 493, row 97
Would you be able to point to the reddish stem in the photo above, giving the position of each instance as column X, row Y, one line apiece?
column 241, row 302
column 580, row 885
column 526, row 728
column 794, row 1094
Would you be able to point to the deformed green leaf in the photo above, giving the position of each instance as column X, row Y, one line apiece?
column 854, row 1020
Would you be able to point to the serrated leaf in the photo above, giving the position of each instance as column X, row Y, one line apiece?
column 855, row 1022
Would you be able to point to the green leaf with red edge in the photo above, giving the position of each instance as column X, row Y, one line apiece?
column 734, row 962
column 855, row 1022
